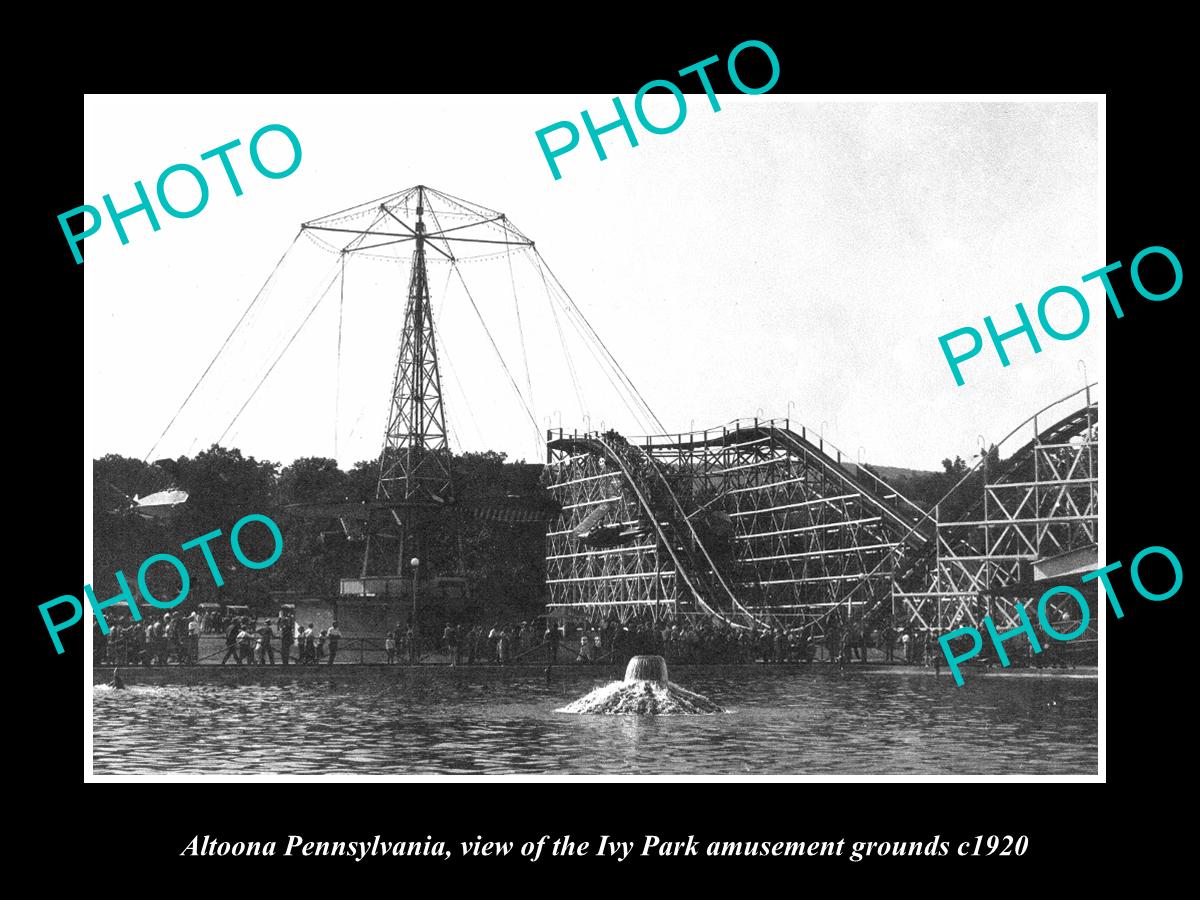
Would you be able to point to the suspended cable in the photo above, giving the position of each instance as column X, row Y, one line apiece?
column 618, row 391
column 295, row 334
column 449, row 251
column 562, row 340
column 468, row 205
column 337, row 390
column 358, row 239
column 604, row 361
column 447, row 356
column 590, row 343
column 520, row 327
column 232, row 389
column 532, row 419
column 363, row 206
column 361, row 412
column 445, row 294
column 626, row 377
column 224, row 344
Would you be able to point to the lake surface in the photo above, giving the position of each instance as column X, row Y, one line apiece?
column 811, row 720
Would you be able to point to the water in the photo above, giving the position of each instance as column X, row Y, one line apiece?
column 625, row 698
column 815, row 719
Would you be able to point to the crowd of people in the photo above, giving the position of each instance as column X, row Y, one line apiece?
column 216, row 621
column 469, row 644
column 174, row 638
column 689, row 640
column 153, row 641
column 249, row 643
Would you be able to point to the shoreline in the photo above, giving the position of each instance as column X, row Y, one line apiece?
column 353, row 671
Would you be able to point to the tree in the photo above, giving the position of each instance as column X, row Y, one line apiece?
column 957, row 468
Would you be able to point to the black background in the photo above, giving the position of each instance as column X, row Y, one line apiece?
column 1073, row 828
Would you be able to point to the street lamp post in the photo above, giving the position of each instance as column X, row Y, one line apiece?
column 412, row 642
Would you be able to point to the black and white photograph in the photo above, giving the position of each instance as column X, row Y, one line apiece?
column 708, row 435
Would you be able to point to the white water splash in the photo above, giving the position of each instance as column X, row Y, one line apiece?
column 642, row 698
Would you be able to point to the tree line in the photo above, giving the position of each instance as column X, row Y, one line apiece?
column 503, row 561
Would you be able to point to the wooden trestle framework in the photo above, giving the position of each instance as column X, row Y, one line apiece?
column 762, row 525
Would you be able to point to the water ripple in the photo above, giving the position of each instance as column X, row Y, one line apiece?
column 805, row 721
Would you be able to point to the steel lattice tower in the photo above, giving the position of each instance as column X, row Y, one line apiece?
column 415, row 463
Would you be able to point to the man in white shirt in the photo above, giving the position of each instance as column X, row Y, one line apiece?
column 193, row 629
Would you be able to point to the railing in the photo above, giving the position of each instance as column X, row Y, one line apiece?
column 715, row 437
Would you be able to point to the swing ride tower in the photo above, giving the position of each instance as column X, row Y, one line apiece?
column 414, row 464
column 415, row 478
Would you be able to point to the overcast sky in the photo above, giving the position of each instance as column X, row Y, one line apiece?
column 779, row 250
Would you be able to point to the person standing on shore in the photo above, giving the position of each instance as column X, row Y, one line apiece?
column 179, row 638
column 231, row 645
column 334, row 637
column 245, row 642
column 308, row 646
column 472, row 643
column 194, row 626
column 494, row 641
column 389, row 646
column 264, row 651
column 163, row 652
column 170, row 632
column 287, row 634
column 153, row 632
column 552, row 638
column 403, row 650
column 503, row 645
column 133, row 644
column 585, row 647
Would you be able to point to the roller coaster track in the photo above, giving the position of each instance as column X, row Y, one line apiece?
column 835, row 497
column 967, row 567
column 904, row 513
column 814, row 540
column 657, row 500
